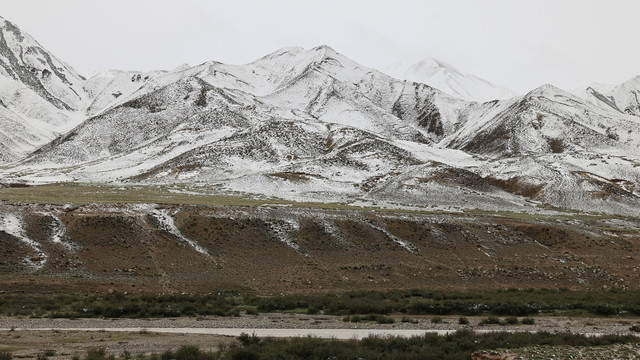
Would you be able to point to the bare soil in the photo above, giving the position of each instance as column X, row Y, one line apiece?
column 270, row 251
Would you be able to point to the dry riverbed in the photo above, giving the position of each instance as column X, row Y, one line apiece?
column 20, row 336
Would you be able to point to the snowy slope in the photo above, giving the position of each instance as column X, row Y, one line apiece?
column 447, row 78
column 24, row 60
column 40, row 96
column 546, row 120
column 627, row 96
column 110, row 88
column 624, row 98
column 20, row 136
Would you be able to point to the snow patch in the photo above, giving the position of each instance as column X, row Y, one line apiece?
column 167, row 224
column 407, row 246
column 334, row 231
column 13, row 225
column 58, row 231
column 283, row 230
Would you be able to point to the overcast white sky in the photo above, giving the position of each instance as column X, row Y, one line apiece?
column 520, row 44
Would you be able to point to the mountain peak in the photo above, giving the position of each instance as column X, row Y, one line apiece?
column 547, row 89
column 286, row 51
column 634, row 81
column 26, row 62
column 6, row 25
column 432, row 64
column 295, row 51
column 447, row 78
column 326, row 49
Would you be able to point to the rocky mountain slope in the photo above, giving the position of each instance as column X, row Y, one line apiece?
column 314, row 125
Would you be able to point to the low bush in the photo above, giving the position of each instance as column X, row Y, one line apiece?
column 384, row 320
column 408, row 320
column 491, row 320
column 246, row 339
column 528, row 321
column 380, row 319
column 511, row 320
column 251, row 311
column 98, row 354
column 187, row 352
column 313, row 310
column 459, row 345
column 507, row 303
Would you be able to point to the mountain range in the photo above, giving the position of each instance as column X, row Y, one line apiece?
column 313, row 125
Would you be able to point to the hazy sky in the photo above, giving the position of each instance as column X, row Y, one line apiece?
column 518, row 44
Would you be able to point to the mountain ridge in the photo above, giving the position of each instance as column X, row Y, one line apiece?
column 315, row 125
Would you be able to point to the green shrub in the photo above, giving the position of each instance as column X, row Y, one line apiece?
column 605, row 309
column 463, row 321
column 167, row 355
column 384, row 320
column 408, row 320
column 491, row 320
column 5, row 355
column 313, row 310
column 509, row 302
column 251, row 311
column 126, row 355
column 246, row 339
column 436, row 320
column 187, row 352
column 511, row 320
column 98, row 354
column 380, row 319
column 528, row 321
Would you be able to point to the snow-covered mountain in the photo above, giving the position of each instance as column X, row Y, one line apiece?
column 624, row 98
column 447, row 78
column 546, row 120
column 315, row 125
column 40, row 96
column 291, row 109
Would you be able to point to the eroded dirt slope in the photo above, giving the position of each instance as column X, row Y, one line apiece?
column 155, row 248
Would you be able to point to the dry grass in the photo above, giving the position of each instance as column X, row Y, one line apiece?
column 180, row 194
